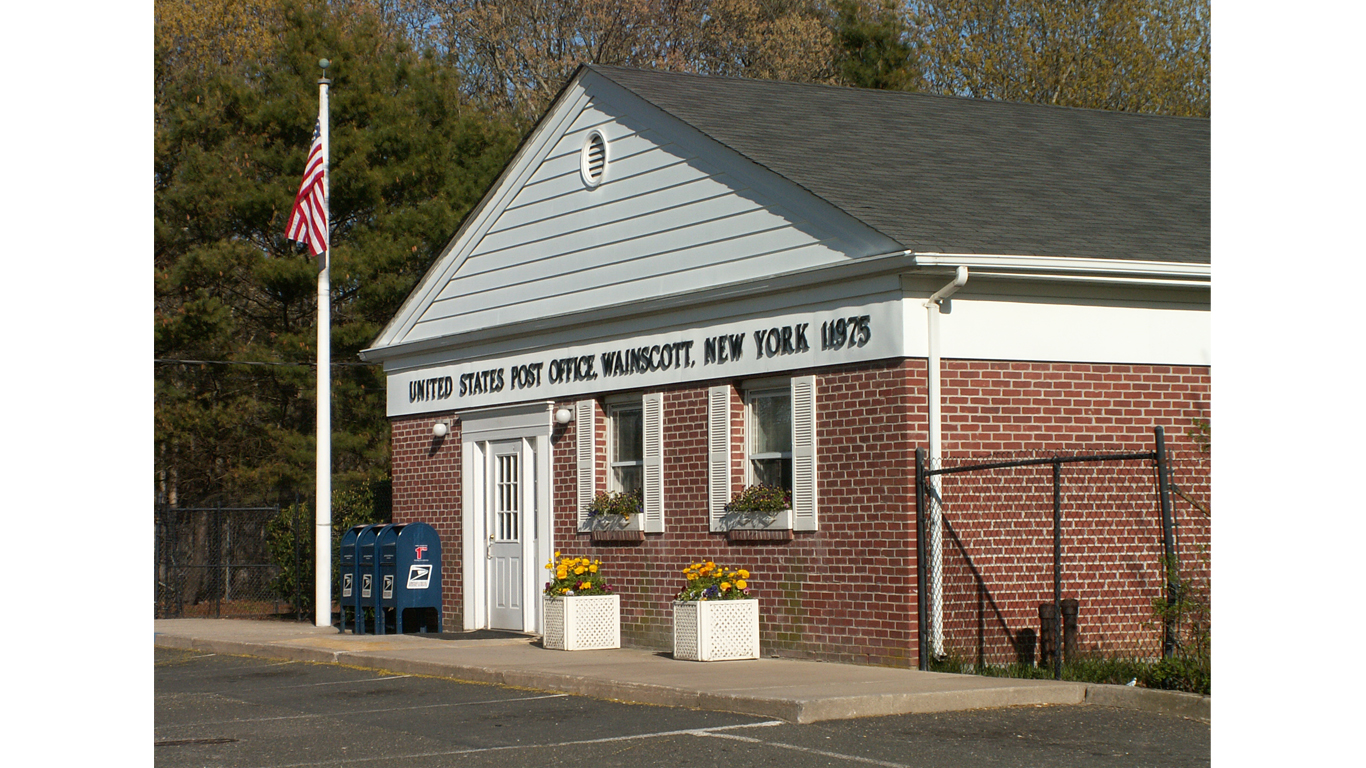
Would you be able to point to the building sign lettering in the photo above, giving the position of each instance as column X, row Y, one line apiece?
column 438, row 388
column 729, row 350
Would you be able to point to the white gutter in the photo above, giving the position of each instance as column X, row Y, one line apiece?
column 1067, row 264
column 932, row 307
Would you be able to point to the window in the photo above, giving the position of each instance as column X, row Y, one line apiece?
column 779, row 447
column 625, row 448
column 768, row 417
column 634, row 451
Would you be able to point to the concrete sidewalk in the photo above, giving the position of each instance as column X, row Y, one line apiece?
column 790, row 690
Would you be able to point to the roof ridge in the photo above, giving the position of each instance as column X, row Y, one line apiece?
column 881, row 92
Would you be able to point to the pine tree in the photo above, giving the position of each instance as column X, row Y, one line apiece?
column 409, row 160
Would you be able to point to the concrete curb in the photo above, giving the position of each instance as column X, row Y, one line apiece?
column 791, row 708
column 1192, row 705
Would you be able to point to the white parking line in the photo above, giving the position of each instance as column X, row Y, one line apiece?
column 359, row 712
column 343, row 682
column 658, row 734
column 808, row 750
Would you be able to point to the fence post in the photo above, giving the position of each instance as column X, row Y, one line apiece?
column 920, row 557
column 227, row 557
column 298, row 590
column 1057, row 567
column 1169, row 557
column 156, row 561
column 179, row 588
column 213, row 567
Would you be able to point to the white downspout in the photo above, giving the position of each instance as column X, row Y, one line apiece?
column 933, row 399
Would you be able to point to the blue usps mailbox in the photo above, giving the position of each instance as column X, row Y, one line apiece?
column 348, row 589
column 367, row 575
column 410, row 575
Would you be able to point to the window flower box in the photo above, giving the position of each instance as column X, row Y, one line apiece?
column 758, row 513
column 606, row 528
column 615, row 517
column 584, row 623
column 759, row 521
column 716, row 630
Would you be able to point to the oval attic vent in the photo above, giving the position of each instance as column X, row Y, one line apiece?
column 594, row 159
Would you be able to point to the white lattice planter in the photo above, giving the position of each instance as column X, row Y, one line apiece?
column 582, row 623
column 716, row 630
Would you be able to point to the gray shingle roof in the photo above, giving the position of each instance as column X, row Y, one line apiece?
column 955, row 175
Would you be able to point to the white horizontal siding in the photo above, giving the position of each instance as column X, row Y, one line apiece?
column 606, row 288
column 586, row 264
column 640, row 173
column 654, row 207
column 667, row 219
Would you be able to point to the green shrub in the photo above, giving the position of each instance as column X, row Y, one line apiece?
column 350, row 507
column 1178, row 673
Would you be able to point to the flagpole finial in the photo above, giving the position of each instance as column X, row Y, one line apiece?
column 324, row 63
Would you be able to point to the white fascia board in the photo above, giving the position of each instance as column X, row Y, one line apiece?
column 485, row 213
column 1117, row 268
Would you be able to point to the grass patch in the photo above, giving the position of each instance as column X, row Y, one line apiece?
column 1175, row 674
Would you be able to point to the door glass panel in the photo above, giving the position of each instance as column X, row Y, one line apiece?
column 508, row 494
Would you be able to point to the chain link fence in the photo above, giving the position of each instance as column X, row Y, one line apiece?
column 214, row 562
column 253, row 562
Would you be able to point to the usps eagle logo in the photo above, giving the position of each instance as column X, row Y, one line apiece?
column 419, row 576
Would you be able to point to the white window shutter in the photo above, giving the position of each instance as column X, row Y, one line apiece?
column 804, row 453
column 585, row 429
column 718, row 454
column 652, row 406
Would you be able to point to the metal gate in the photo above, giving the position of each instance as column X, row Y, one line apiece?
column 1000, row 544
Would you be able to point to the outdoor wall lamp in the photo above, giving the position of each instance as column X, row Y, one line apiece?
column 440, row 429
column 563, row 416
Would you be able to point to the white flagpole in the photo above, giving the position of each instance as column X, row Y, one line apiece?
column 322, row 534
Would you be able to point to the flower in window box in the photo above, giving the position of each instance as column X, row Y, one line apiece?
column 619, row 503
column 759, row 507
column 760, row 499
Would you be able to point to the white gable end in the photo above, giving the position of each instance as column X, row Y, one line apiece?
column 675, row 213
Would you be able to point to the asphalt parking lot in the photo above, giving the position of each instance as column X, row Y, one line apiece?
column 231, row 711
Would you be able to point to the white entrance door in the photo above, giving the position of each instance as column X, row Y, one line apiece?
column 508, row 505
column 505, row 515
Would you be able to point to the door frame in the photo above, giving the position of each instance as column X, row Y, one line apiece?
column 479, row 429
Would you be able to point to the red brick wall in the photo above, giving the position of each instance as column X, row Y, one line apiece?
column 843, row 593
column 998, row 557
column 847, row 592
column 426, row 488
column 1000, row 406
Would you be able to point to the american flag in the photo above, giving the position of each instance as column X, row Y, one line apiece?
column 308, row 220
